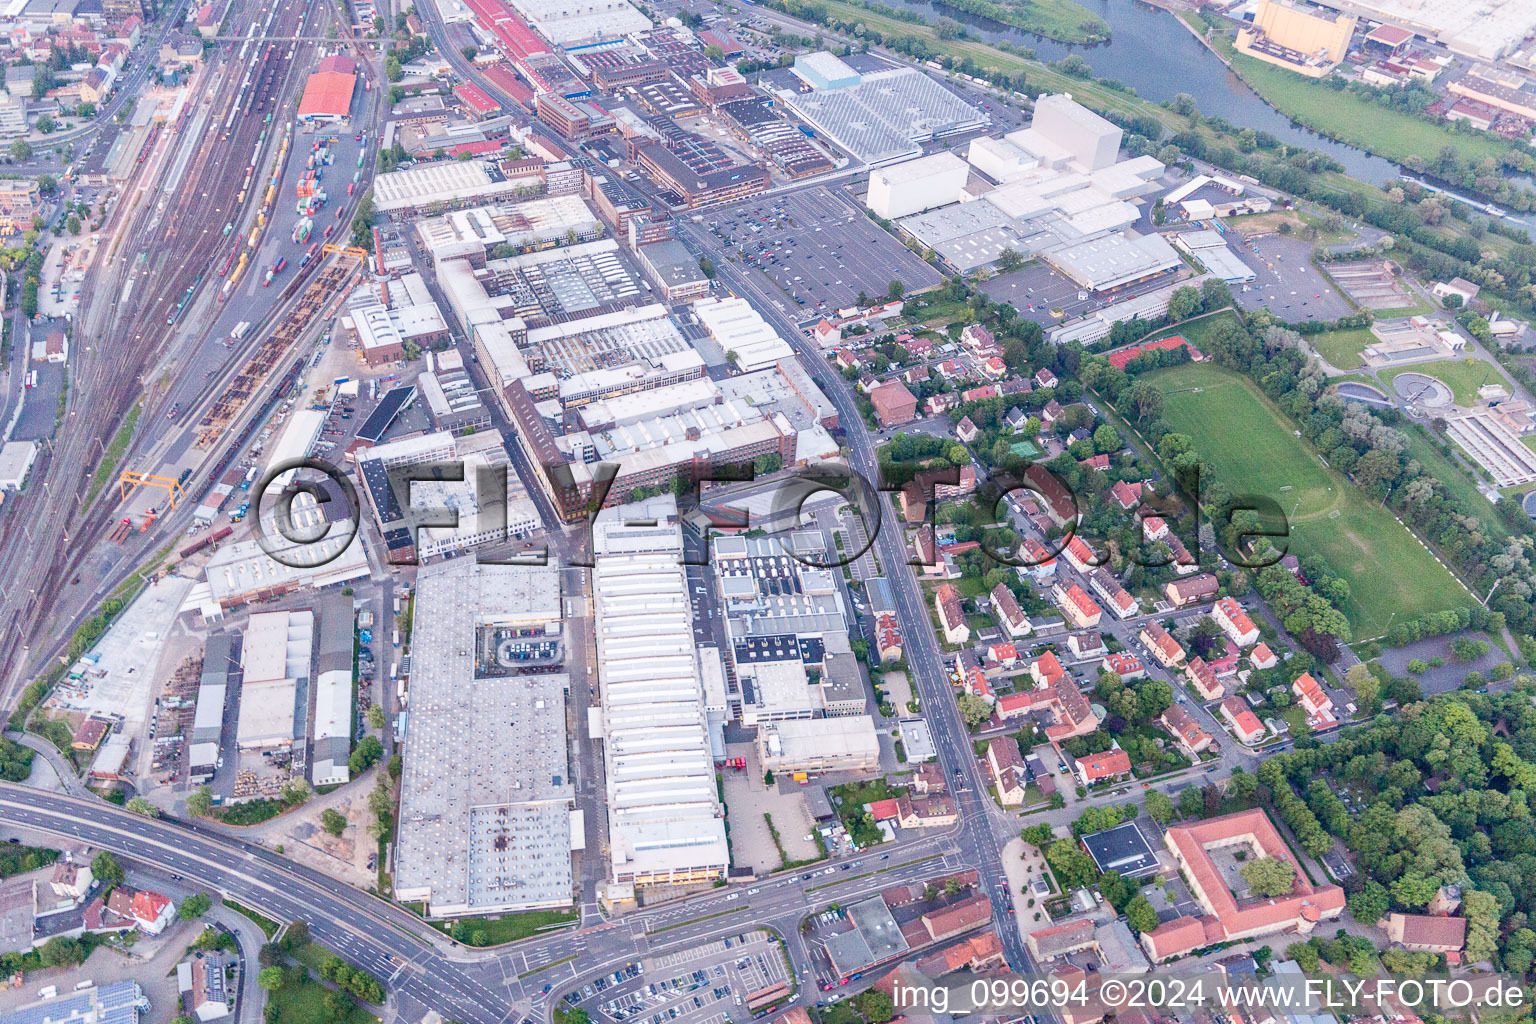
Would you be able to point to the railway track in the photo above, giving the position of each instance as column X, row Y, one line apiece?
column 122, row 342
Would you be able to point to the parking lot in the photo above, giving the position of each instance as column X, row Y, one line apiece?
column 706, row 984
column 1037, row 289
column 1287, row 284
column 820, row 249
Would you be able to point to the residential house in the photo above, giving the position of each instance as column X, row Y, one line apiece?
column 1079, row 555
column 976, row 338
column 152, row 912
column 1181, row 725
column 946, row 601
column 1039, row 563
column 1097, row 768
column 888, row 636
column 957, row 917
column 935, row 811
column 1245, row 725
column 71, row 880
column 1262, row 657
column 1061, row 939
column 1162, row 645
column 1003, row 653
column 1057, row 499
column 1317, row 704
column 965, row 430
column 1203, row 678
column 1086, row 646
column 1234, row 622
column 1192, row 590
column 1115, row 596
column 1077, row 606
column 1127, row 495
column 1005, row 608
column 1008, row 770
column 1125, row 665
column 1071, row 714
column 1044, row 378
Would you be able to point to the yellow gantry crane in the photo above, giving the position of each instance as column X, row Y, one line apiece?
column 131, row 479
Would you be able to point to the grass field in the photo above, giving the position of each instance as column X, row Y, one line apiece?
column 512, row 927
column 1353, row 119
column 305, row 1004
column 1458, row 482
column 1462, row 376
column 1057, row 19
column 1253, row 449
column 1343, row 348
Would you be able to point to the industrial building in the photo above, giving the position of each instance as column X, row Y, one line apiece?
column 1054, row 190
column 742, row 333
column 917, row 185
column 486, row 819
column 331, row 737
column 328, row 93
column 521, row 227
column 665, row 821
column 879, row 116
column 1305, row 40
column 212, row 696
column 274, row 688
column 565, row 21
column 1210, row 249
column 674, row 270
column 16, row 458
column 1485, row 31
column 847, row 743
column 488, row 499
column 446, row 183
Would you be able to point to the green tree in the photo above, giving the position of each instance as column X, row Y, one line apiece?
column 139, row 805
column 392, row 69
column 1159, row 807
column 876, row 1006
column 974, row 710
column 333, row 821
column 368, row 751
column 1140, row 915
column 200, row 803
column 1269, row 876
column 21, row 149
column 1070, row 864
column 195, row 906
column 106, row 869
column 270, row 979
column 707, row 267
column 62, row 951
column 895, row 290
column 1370, row 904
column 376, row 716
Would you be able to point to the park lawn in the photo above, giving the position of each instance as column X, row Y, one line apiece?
column 512, row 927
column 1388, row 133
column 1343, row 348
column 304, row 1003
column 1196, row 331
column 1253, row 449
column 1462, row 376
column 1530, row 441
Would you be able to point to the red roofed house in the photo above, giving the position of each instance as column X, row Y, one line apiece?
column 826, row 333
column 994, row 367
column 975, row 338
column 1423, row 933
column 1004, row 653
column 1059, row 504
column 1317, row 704
column 1228, row 917
column 1203, row 678
column 1234, row 622
column 1061, row 939
column 957, row 917
column 1128, row 495
column 972, row 679
column 476, row 100
column 978, row 952
column 1077, row 606
column 1008, row 770
column 328, row 93
column 1072, row 714
column 1125, row 665
column 727, row 43
column 1163, row 646
column 1117, row 597
column 946, row 601
column 884, row 810
column 1096, row 768
column 1240, row 718
column 1045, row 378
column 1005, row 607
column 1079, row 555
column 1047, row 670
column 1098, row 462
column 1120, row 357
column 888, row 636
column 1262, row 657
column 1041, row 564
column 1197, row 588
column 977, row 394
column 1154, row 528
column 152, row 911
column 1182, row 726
column 894, row 404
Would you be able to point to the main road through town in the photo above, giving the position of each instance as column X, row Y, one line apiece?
column 423, row 968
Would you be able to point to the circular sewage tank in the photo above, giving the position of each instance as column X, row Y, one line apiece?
column 1423, row 389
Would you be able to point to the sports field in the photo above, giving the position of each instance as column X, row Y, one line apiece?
column 1254, row 450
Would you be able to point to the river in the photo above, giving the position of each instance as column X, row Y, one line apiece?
column 1148, row 42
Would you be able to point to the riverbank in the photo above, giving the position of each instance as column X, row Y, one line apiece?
column 1344, row 116
column 1062, row 20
